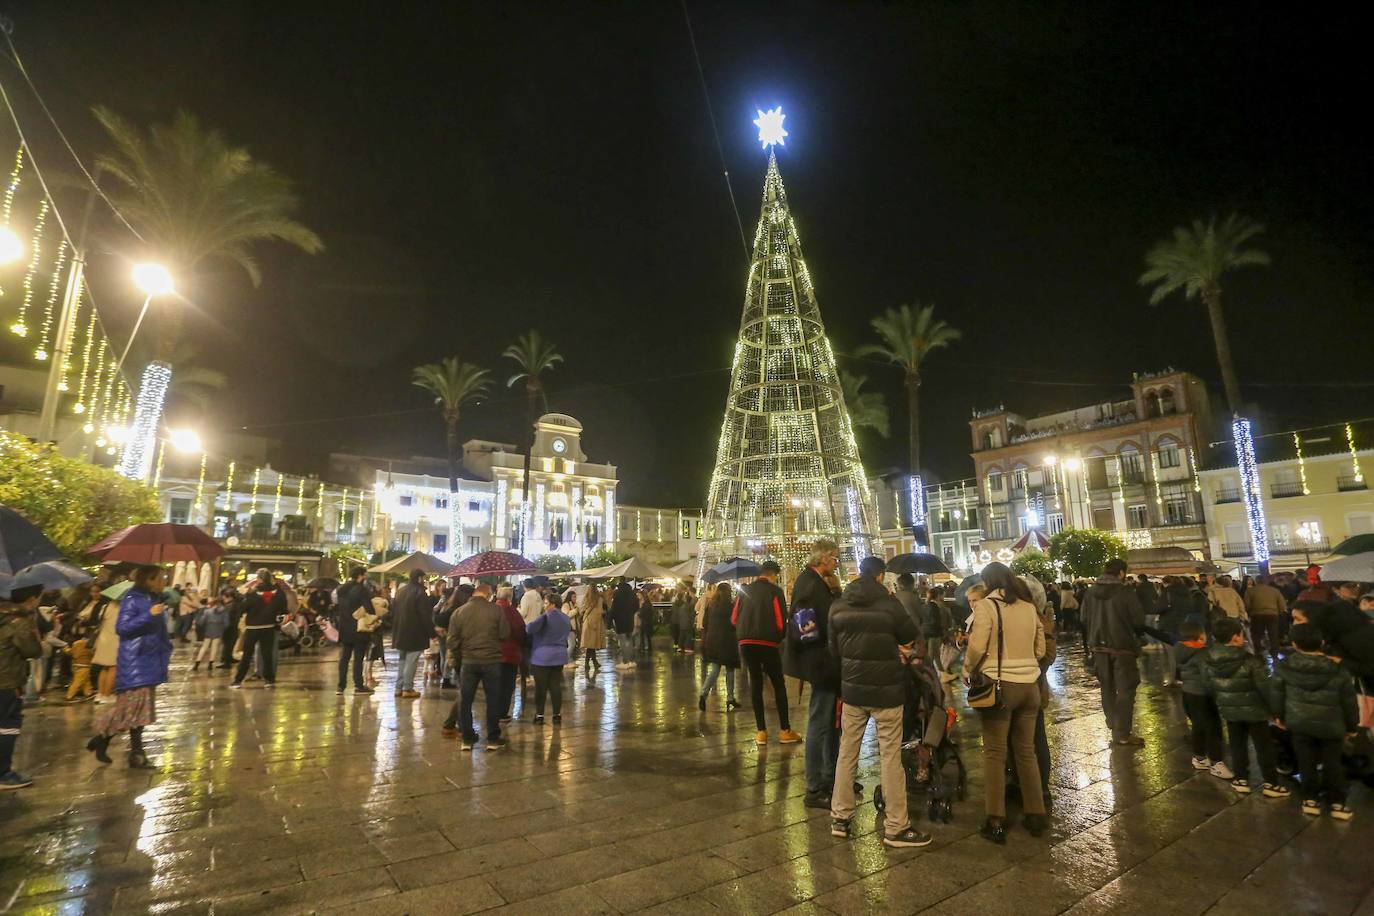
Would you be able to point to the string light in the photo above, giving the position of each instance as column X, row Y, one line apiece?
column 257, row 477
column 229, row 485
column 200, row 484
column 67, row 347
column 1159, row 494
column 152, row 393
column 45, row 331
column 276, row 502
column 1354, row 456
column 19, row 328
column 93, row 408
column 1192, row 463
column 1250, row 488
column 319, row 500
column 108, row 407
column 161, row 453
column 80, row 405
column 1302, row 464
column 300, row 496
column 8, row 206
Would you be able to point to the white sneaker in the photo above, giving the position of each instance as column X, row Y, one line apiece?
column 1201, row 763
column 1221, row 771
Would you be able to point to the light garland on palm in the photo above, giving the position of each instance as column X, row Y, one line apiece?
column 84, row 377
column 161, row 453
column 45, row 330
column 1354, row 456
column 19, row 328
column 1302, row 464
column 142, row 432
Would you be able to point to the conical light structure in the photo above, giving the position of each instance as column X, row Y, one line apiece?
column 787, row 467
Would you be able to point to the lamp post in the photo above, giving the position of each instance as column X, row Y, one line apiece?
column 153, row 280
column 152, row 387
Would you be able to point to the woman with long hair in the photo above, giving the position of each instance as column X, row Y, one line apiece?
column 145, row 650
column 1006, row 642
column 592, row 635
column 719, row 646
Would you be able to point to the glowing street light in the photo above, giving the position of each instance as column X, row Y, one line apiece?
column 1072, row 464
column 11, row 246
column 153, row 279
column 1051, row 460
column 184, row 440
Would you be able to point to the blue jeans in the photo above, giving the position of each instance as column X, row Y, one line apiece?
column 822, row 741
column 489, row 676
column 405, row 676
column 713, row 674
column 443, row 659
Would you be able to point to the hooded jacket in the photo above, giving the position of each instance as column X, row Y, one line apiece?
column 624, row 606
column 719, row 642
column 145, row 649
column 263, row 605
column 812, row 661
column 549, row 639
column 1112, row 616
column 1192, row 666
column 760, row 613
column 1314, row 697
column 18, row 643
column 352, row 595
column 1239, row 682
column 866, row 626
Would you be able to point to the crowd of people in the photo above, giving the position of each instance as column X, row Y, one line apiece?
column 1279, row 664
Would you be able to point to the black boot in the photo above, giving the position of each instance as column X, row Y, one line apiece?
column 994, row 830
column 97, row 746
column 137, row 759
column 701, row 702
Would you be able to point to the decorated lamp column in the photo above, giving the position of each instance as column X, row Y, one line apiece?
column 1250, row 490
column 137, row 459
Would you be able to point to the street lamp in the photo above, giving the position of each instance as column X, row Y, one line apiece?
column 153, row 280
column 11, row 246
column 184, row 440
column 1072, row 464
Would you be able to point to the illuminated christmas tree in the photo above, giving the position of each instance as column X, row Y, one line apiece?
column 787, row 469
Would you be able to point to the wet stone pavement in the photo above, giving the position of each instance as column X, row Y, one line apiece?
column 298, row 801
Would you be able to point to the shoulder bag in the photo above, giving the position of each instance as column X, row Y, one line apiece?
column 985, row 692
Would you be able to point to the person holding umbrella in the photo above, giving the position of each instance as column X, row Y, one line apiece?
column 145, row 651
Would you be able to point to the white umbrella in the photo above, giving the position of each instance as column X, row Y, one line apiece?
column 636, row 568
column 420, row 560
column 591, row 572
column 179, row 574
column 207, row 572
column 1357, row 568
column 687, row 568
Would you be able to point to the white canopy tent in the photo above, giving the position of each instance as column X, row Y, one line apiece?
column 425, row 562
column 633, row 568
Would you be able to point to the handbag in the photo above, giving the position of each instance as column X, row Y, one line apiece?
column 985, row 692
column 803, row 626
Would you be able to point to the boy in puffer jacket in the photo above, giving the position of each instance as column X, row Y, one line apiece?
column 1315, row 700
column 1200, row 705
column 1240, row 684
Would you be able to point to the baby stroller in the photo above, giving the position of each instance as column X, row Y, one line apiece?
column 928, row 742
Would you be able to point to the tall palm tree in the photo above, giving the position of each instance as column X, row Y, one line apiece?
column 535, row 356
column 867, row 409
column 453, row 383
column 906, row 337
column 1193, row 260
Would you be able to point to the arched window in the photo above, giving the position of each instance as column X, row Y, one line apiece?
column 1166, row 401
column 1132, row 469
column 1151, row 404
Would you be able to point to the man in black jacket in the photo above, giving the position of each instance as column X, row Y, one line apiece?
column 808, row 658
column 759, row 625
column 867, row 625
column 1112, row 623
column 353, row 594
column 263, row 608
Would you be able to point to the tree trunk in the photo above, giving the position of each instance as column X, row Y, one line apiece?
column 913, row 405
column 451, row 429
column 531, row 390
column 1212, row 299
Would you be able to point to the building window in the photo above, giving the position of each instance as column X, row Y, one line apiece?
column 1359, row 523
column 999, row 528
column 1168, row 456
column 947, row 552
column 1054, row 522
column 179, row 512
column 441, row 501
column 686, row 528
column 1177, row 510
column 474, row 543
column 995, row 481
column 1280, row 534
column 441, row 543
column 890, row 552
column 1130, row 466
column 1022, row 525
column 1018, row 479
column 402, row 541
column 1137, row 517
column 406, row 499
column 346, row 519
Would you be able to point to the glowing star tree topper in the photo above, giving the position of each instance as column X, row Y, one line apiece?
column 771, row 132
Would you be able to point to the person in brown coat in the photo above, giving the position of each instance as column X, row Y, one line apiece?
column 1264, row 603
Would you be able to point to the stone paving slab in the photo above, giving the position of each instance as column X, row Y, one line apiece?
column 297, row 801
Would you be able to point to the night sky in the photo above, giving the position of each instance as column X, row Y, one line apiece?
column 481, row 169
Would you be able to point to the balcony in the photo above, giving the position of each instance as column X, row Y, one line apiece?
column 1285, row 489
column 1236, row 550
column 1132, row 478
column 1318, row 547
column 1346, row 483
column 1228, row 496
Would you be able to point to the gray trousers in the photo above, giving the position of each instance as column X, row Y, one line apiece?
column 1119, row 677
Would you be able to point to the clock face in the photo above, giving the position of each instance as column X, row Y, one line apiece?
column 560, row 446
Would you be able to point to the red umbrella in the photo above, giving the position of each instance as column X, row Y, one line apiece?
column 157, row 543
column 492, row 563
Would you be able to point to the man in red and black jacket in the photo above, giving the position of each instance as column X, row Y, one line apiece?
column 760, row 619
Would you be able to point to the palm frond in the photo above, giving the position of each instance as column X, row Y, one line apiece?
column 452, row 382
column 535, row 356
column 867, row 409
column 906, row 336
column 1194, row 257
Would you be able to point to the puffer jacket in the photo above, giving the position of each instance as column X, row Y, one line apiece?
column 1239, row 682
column 811, row 661
column 1192, row 665
column 866, row 626
column 412, row 619
column 18, row 643
column 1112, row 616
column 352, row 595
column 145, row 649
column 549, row 638
column 1315, row 697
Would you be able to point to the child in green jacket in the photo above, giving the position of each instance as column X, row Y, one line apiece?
column 1240, row 684
column 1315, row 700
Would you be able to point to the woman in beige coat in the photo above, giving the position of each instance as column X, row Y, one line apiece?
column 593, row 634
column 1015, row 665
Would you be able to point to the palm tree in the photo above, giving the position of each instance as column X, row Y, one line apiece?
column 535, row 356
column 1193, row 261
column 907, row 336
column 453, row 383
column 192, row 388
column 867, row 409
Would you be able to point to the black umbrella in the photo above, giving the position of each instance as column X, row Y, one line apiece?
column 22, row 544
column 927, row 564
column 732, row 568
column 324, row 582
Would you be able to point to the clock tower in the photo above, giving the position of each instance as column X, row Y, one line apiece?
column 557, row 435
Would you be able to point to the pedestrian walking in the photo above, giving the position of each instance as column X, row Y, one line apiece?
column 548, row 654
column 354, row 603
column 1263, row 605
column 808, row 658
column 719, row 645
column 624, row 608
column 645, row 619
column 19, row 643
column 412, row 623
column 78, row 652
column 1006, row 643
column 145, row 652
column 592, row 633
column 1113, row 618
column 867, row 627
column 476, row 635
column 682, row 619
column 759, row 619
